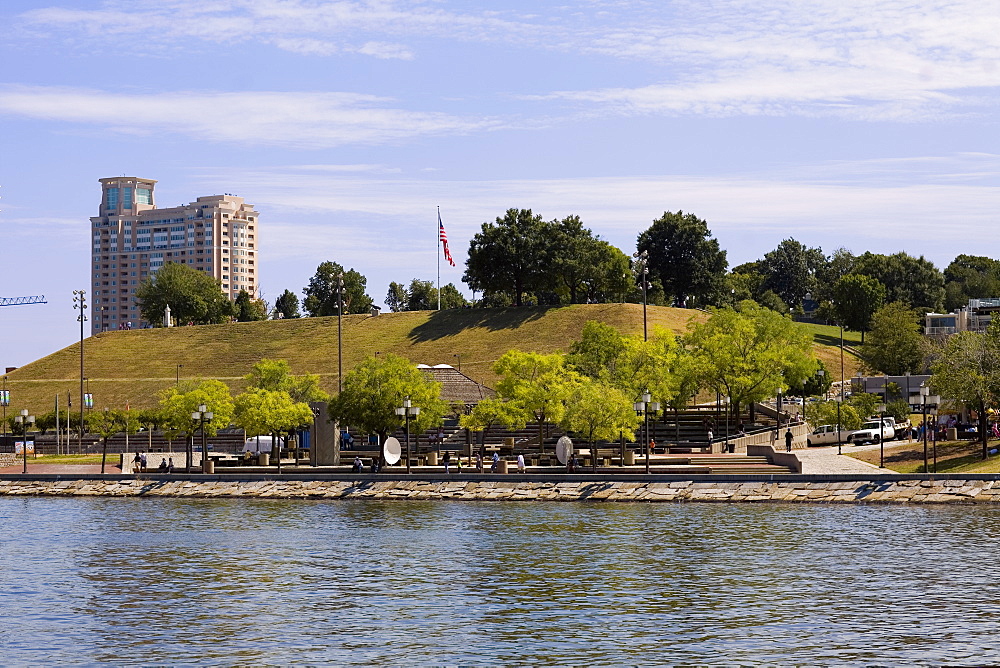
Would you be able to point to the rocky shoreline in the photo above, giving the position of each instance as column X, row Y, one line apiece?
column 727, row 489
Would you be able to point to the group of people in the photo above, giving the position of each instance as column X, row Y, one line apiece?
column 139, row 464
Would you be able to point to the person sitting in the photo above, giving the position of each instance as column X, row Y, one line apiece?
column 358, row 465
column 163, row 466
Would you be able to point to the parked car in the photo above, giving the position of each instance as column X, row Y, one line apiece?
column 827, row 435
column 873, row 431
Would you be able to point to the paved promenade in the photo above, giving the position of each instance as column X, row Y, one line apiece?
column 826, row 461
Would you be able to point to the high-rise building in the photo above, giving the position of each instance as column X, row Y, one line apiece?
column 132, row 239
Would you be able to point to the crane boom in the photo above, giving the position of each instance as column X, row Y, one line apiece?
column 21, row 301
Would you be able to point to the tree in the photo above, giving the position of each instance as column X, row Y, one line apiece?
column 105, row 424
column 970, row 277
column 915, row 282
column 684, row 257
column 260, row 411
column 748, row 353
column 789, row 270
column 968, row 372
column 276, row 376
column 321, row 293
column 598, row 412
column 539, row 384
column 248, row 309
column 452, row 298
column 178, row 402
column 508, row 257
column 422, row 296
column 286, row 305
column 396, row 298
column 377, row 386
column 857, row 297
column 583, row 267
column 895, row 344
column 838, row 265
column 192, row 295
column 489, row 412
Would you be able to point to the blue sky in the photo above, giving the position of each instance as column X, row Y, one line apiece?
column 865, row 125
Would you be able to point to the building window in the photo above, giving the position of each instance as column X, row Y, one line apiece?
column 143, row 196
column 112, row 198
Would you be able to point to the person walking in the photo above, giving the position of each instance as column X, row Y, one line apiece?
column 788, row 440
column 447, row 460
column 496, row 462
column 520, row 463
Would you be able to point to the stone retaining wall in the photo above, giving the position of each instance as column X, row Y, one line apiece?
column 899, row 491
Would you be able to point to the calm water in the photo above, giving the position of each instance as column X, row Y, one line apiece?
column 164, row 581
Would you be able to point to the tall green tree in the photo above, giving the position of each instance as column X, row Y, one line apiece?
column 286, row 305
column 396, row 298
column 540, row 384
column 192, row 295
column 970, row 277
column 748, row 353
column 105, row 424
column 248, row 309
column 584, row 267
column 599, row 413
column 260, row 411
column 275, row 375
column 509, row 257
column 968, row 371
column 178, row 402
column 493, row 411
column 685, row 258
column 377, row 386
column 790, row 270
column 321, row 293
column 452, row 298
column 856, row 298
column 915, row 282
column 895, row 344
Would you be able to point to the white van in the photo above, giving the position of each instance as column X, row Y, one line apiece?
column 259, row 444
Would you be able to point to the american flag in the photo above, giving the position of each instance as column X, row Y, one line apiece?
column 444, row 241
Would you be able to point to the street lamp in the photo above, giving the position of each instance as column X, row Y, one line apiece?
column 927, row 398
column 177, row 374
column 80, row 303
column 459, row 356
column 643, row 407
column 5, row 401
column 643, row 272
column 203, row 415
column 340, row 335
column 24, row 420
column 407, row 411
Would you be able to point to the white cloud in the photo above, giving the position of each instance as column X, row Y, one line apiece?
column 749, row 214
column 297, row 120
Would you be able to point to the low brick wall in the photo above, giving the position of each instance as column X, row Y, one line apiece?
column 795, row 489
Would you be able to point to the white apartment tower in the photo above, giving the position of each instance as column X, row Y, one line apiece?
column 132, row 239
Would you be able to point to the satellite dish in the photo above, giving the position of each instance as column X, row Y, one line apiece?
column 564, row 449
column 391, row 450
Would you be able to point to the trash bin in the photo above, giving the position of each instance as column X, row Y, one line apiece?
column 629, row 458
column 263, row 459
column 502, row 466
column 432, row 459
column 208, row 466
column 730, row 448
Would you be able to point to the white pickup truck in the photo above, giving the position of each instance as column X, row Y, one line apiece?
column 873, row 432
column 827, row 434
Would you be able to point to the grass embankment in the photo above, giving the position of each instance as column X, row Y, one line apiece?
column 70, row 459
column 952, row 457
column 136, row 365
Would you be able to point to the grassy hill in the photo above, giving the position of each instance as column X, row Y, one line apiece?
column 135, row 365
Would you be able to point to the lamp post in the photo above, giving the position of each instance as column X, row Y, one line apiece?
column 881, row 438
column 5, row 401
column 177, row 374
column 407, row 411
column 203, row 415
column 459, row 356
column 24, row 420
column 643, row 272
column 340, row 334
column 643, row 408
column 80, row 303
column 928, row 399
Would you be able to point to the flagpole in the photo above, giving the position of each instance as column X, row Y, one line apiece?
column 438, row 246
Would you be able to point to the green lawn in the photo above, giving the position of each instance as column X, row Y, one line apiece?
column 134, row 366
column 952, row 457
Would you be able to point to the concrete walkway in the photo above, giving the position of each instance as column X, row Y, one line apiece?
column 826, row 460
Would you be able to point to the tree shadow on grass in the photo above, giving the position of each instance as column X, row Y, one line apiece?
column 452, row 321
